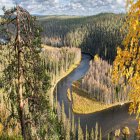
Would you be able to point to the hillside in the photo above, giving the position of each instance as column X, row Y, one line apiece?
column 99, row 34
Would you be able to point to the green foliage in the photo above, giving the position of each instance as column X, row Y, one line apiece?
column 98, row 34
column 23, row 61
column 49, row 127
column 96, row 131
column 6, row 137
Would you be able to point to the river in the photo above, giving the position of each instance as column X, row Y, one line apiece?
column 108, row 120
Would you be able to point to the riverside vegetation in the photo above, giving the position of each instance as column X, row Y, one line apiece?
column 96, row 90
column 58, row 62
column 26, row 77
column 101, row 35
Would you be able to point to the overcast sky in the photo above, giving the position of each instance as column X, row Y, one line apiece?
column 67, row 7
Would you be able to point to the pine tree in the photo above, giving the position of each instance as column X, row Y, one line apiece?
column 73, row 131
column 108, row 137
column 24, row 75
column 100, row 137
column 87, row 134
column 68, row 129
column 92, row 134
column 63, row 115
column 96, row 131
column 80, row 131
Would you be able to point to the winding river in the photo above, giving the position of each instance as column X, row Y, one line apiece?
column 108, row 120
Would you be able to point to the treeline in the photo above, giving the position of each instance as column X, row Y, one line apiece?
column 58, row 60
column 98, row 83
column 98, row 34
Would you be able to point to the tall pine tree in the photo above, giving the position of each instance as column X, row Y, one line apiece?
column 25, row 80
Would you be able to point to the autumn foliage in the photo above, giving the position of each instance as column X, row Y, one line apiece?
column 127, row 62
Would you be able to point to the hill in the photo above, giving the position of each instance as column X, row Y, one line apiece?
column 99, row 34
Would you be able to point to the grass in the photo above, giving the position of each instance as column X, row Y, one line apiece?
column 50, row 48
column 82, row 103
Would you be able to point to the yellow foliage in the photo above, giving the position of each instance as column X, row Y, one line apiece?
column 126, row 131
column 13, row 127
column 1, row 128
column 127, row 62
column 96, row 57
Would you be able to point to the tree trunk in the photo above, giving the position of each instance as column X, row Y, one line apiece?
column 20, row 79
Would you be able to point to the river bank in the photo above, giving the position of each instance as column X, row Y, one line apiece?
column 63, row 75
column 109, row 119
column 59, row 62
column 83, row 104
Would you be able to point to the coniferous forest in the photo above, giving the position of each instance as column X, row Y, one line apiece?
column 98, row 34
column 69, row 74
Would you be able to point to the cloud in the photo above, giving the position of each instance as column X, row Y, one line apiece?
column 120, row 1
column 77, row 7
column 98, row 6
column 7, row 4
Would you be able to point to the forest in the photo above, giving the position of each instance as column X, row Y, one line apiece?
column 70, row 77
column 58, row 62
column 54, row 65
column 99, row 34
column 98, row 83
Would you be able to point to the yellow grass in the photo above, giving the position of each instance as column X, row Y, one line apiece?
column 50, row 47
column 83, row 104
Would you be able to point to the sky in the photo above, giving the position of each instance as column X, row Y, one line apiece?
column 67, row 7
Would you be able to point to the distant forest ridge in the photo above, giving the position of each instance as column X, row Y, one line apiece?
column 41, row 17
column 99, row 34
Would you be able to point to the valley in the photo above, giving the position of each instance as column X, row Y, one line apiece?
column 70, row 74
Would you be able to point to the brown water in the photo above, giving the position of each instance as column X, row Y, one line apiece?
column 108, row 120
